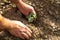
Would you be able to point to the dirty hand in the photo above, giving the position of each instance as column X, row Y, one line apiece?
column 20, row 30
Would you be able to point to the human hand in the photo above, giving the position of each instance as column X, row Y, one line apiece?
column 25, row 8
column 20, row 30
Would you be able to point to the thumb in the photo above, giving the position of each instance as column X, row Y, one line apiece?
column 34, row 12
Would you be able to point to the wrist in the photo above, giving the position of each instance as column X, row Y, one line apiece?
column 2, row 22
column 8, row 24
column 5, row 23
column 16, row 1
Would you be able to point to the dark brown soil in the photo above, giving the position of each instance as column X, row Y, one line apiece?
column 45, row 27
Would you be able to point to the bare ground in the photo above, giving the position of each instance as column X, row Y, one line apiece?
column 45, row 27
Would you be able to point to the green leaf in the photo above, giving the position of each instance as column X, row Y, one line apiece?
column 31, row 17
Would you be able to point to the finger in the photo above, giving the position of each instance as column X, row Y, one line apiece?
column 28, row 29
column 25, row 35
column 34, row 12
column 20, row 35
column 28, row 33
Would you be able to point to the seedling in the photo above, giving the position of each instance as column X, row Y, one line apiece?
column 31, row 17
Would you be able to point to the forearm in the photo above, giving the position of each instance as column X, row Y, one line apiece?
column 18, row 3
column 3, row 22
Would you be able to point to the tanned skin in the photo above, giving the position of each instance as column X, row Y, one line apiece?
column 17, row 28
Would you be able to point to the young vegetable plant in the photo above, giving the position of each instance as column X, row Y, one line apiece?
column 31, row 17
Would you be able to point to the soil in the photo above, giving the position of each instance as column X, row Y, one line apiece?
column 45, row 27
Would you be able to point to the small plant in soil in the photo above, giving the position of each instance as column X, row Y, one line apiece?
column 31, row 17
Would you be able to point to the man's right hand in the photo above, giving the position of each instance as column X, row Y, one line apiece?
column 20, row 30
column 16, row 28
